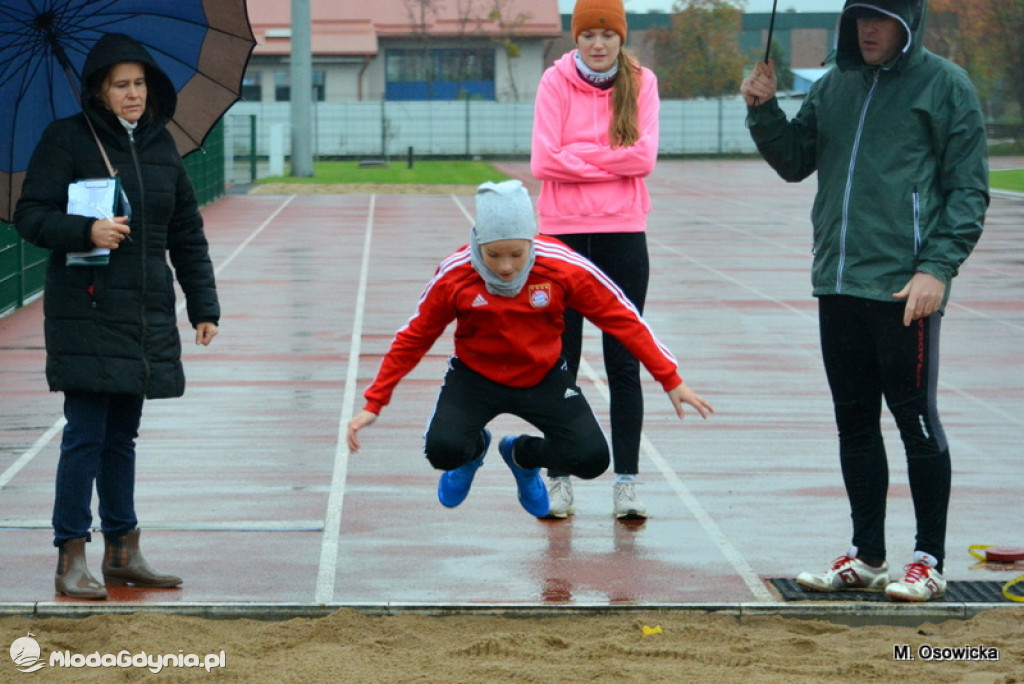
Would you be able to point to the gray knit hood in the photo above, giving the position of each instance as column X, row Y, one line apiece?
column 503, row 212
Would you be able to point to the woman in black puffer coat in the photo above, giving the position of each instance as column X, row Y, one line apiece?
column 111, row 335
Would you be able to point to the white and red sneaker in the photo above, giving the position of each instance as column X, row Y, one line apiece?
column 848, row 573
column 920, row 581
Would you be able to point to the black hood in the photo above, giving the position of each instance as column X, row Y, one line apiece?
column 910, row 13
column 115, row 48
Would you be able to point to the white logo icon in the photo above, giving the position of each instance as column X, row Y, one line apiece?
column 570, row 393
column 25, row 654
column 479, row 301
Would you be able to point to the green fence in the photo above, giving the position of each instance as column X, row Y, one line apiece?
column 22, row 269
column 23, row 266
column 206, row 167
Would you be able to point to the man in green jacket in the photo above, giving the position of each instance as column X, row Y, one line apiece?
column 896, row 136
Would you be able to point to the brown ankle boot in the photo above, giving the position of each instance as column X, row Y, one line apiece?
column 73, row 578
column 123, row 564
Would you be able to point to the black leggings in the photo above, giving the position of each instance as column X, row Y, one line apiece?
column 623, row 257
column 573, row 441
column 869, row 354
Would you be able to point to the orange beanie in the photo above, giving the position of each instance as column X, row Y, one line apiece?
column 598, row 15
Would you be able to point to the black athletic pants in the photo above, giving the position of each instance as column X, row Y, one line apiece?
column 869, row 354
column 623, row 257
column 573, row 441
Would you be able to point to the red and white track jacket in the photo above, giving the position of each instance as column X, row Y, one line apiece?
column 516, row 341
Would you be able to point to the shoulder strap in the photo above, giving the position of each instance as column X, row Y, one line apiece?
column 103, row 153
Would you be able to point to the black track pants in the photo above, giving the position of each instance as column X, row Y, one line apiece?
column 573, row 441
column 870, row 355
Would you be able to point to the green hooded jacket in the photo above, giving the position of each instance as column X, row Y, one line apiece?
column 901, row 158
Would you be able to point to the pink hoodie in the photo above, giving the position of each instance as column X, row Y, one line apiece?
column 589, row 186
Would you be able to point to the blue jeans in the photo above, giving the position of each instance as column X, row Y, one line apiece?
column 98, row 447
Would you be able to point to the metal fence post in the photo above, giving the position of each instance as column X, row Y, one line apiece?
column 721, row 124
column 252, row 148
column 21, row 273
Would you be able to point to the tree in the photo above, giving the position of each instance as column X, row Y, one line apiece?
column 422, row 14
column 501, row 13
column 1007, row 32
column 699, row 55
column 469, row 22
column 984, row 37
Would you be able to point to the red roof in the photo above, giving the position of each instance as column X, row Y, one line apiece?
column 353, row 28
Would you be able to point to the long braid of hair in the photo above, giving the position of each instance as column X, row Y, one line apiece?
column 624, row 129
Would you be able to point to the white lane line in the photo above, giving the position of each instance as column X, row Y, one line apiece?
column 328, row 567
column 58, row 425
column 943, row 384
column 246, row 241
column 189, row 526
column 735, row 281
column 26, row 457
column 710, row 527
column 988, row 317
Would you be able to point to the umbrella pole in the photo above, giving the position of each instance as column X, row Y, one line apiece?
column 67, row 69
column 771, row 30
column 768, row 45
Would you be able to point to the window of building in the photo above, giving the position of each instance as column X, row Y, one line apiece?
column 252, row 86
column 440, row 74
column 283, row 86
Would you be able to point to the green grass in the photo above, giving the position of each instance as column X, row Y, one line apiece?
column 1007, row 179
column 430, row 172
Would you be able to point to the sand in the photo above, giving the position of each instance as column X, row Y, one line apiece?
column 348, row 646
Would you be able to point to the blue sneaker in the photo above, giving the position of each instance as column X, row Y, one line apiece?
column 453, row 487
column 533, row 495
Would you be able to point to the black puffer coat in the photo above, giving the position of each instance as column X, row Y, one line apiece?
column 112, row 328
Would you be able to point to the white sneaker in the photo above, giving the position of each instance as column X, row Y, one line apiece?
column 560, row 496
column 920, row 581
column 627, row 505
column 846, row 574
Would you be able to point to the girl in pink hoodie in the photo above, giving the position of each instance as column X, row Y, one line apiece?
column 595, row 139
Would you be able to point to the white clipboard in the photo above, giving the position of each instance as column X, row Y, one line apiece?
column 95, row 198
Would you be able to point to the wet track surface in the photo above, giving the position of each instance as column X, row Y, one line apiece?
column 246, row 488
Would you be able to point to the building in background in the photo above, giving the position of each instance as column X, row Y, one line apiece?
column 406, row 49
column 405, row 78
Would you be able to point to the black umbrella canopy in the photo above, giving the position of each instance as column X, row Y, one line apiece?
column 202, row 45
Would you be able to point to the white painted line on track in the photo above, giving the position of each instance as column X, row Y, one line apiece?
column 988, row 317
column 328, row 566
column 987, row 405
column 735, row 281
column 188, row 526
column 707, row 523
column 26, row 457
column 246, row 241
column 59, row 424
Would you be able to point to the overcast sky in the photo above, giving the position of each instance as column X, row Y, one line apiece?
column 641, row 6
